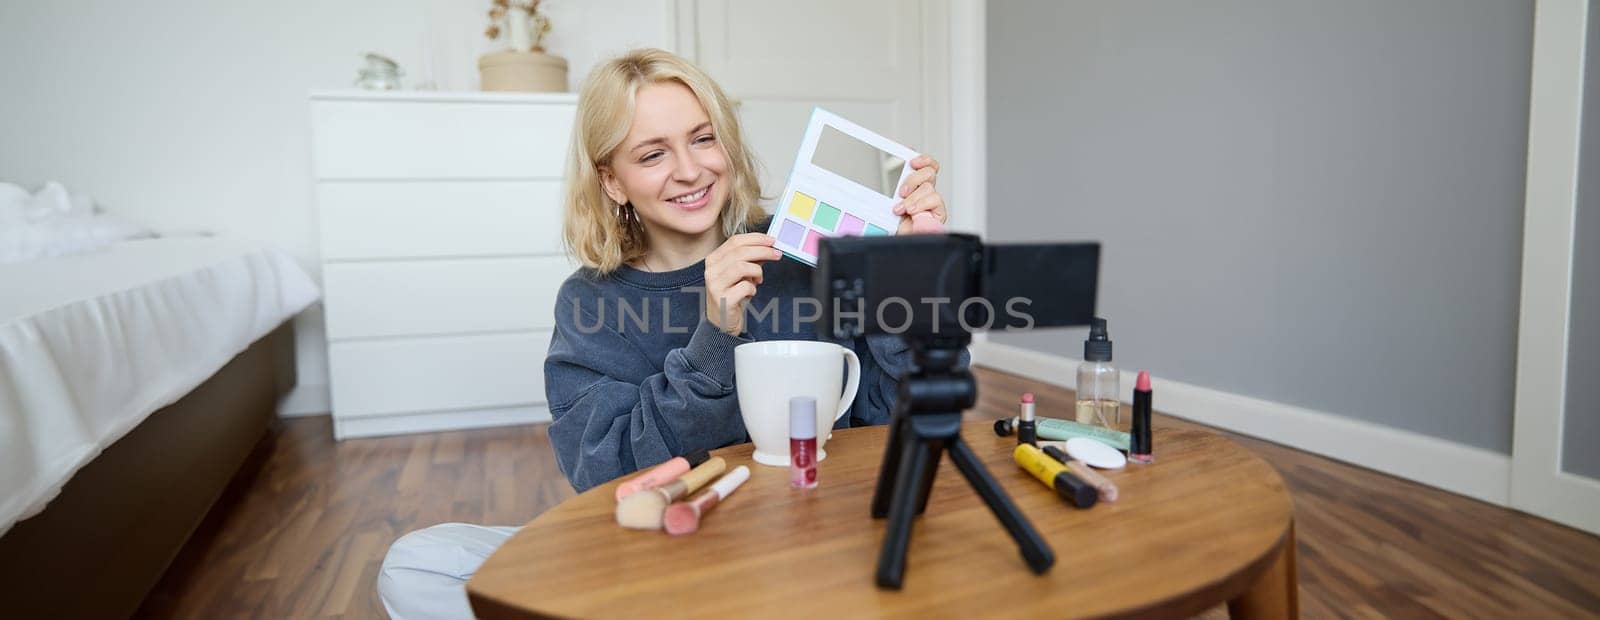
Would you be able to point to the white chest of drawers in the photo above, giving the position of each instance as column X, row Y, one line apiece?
column 440, row 219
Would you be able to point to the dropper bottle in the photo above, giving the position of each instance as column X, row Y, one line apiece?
column 1099, row 382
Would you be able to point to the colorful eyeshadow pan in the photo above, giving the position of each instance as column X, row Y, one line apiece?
column 874, row 231
column 791, row 233
column 851, row 225
column 802, row 205
column 827, row 217
column 812, row 237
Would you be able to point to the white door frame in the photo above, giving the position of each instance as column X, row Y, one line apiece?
column 968, row 113
column 1538, row 485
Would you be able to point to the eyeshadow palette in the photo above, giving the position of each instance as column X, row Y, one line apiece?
column 843, row 184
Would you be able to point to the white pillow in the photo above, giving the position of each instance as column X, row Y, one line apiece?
column 13, row 204
column 53, row 222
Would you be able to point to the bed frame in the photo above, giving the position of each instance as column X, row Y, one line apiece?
column 100, row 546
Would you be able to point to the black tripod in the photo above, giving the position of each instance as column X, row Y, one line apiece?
column 925, row 423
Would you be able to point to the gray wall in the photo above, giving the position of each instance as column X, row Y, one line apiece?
column 1582, row 428
column 1314, row 203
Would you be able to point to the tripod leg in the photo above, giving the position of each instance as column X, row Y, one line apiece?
column 1035, row 550
column 934, row 452
column 899, row 430
column 897, row 535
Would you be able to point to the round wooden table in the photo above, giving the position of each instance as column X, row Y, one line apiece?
column 1209, row 522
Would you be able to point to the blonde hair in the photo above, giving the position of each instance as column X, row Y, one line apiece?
column 602, row 234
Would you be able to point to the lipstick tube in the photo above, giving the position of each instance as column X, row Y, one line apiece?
column 1139, row 448
column 1025, row 427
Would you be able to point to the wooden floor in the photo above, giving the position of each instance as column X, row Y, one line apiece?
column 304, row 535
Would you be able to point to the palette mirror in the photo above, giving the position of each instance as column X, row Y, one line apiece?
column 858, row 161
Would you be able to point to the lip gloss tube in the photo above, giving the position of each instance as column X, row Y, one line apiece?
column 803, row 442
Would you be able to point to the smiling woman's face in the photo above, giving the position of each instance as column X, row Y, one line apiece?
column 670, row 166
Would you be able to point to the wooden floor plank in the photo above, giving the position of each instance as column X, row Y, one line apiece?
column 303, row 535
column 355, row 566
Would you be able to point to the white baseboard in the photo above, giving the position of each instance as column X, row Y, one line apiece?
column 305, row 400
column 372, row 426
column 1566, row 498
column 1451, row 466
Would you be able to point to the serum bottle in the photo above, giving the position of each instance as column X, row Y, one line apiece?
column 803, row 442
column 1098, row 380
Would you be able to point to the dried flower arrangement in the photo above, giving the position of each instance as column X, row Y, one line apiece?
column 501, row 11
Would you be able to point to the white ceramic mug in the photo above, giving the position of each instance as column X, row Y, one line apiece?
column 769, row 373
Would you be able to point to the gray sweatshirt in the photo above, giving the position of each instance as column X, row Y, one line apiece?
column 636, row 376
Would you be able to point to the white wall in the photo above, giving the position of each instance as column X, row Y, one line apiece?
column 192, row 115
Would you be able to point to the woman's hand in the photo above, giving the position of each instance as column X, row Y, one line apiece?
column 919, row 194
column 733, row 271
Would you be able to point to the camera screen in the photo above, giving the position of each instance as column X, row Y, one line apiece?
column 858, row 161
column 921, row 285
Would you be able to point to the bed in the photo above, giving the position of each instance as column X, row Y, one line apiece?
column 134, row 381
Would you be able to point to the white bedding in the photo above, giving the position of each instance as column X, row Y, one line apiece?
column 55, row 222
column 91, row 344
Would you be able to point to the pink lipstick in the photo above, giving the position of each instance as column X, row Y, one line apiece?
column 1026, row 431
column 1139, row 448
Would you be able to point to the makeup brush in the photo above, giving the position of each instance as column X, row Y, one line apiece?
column 643, row 509
column 684, row 517
column 663, row 473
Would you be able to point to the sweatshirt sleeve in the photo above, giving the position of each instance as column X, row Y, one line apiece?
column 612, row 414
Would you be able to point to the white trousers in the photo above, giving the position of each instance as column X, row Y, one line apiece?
column 425, row 573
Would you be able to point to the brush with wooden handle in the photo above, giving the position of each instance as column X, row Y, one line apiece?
column 643, row 510
column 661, row 474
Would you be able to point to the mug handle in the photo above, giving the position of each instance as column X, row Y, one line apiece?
column 850, row 384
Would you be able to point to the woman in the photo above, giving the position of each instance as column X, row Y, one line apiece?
column 661, row 204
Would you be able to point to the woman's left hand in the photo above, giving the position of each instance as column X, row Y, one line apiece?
column 918, row 193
